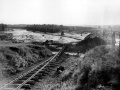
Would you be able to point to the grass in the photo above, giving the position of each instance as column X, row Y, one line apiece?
column 66, row 80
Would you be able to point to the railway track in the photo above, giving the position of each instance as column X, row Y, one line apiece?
column 25, row 81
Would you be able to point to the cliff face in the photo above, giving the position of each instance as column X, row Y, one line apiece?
column 17, row 58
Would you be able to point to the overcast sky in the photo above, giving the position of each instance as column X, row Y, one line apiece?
column 66, row 12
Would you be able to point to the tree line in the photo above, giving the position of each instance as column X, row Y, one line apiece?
column 52, row 28
column 2, row 27
column 45, row 28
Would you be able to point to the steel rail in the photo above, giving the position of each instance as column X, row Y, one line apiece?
column 45, row 63
column 25, row 73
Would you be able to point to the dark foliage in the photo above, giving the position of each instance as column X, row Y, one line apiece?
column 44, row 28
column 16, row 58
column 90, row 42
column 59, row 28
column 2, row 27
column 100, row 68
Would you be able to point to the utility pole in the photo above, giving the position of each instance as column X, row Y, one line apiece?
column 113, row 39
column 119, row 46
column 103, row 35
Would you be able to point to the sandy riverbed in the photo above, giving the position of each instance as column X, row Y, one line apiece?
column 22, row 34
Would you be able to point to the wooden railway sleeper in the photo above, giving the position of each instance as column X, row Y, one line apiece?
column 57, row 62
column 24, row 78
column 46, row 72
column 28, row 75
column 37, row 69
column 49, row 69
column 26, row 86
column 31, row 73
column 18, row 82
column 50, row 65
column 31, row 82
column 13, row 85
column 36, row 78
column 42, row 74
column 11, row 89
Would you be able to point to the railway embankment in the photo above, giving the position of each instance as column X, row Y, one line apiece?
column 14, row 59
column 99, row 69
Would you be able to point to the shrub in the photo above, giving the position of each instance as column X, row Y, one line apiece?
column 101, row 66
column 17, row 58
column 91, row 41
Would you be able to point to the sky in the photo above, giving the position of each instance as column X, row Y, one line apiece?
column 65, row 12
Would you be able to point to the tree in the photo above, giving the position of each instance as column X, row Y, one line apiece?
column 62, row 33
column 2, row 27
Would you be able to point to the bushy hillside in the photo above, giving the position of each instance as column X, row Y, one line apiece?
column 44, row 28
column 100, row 69
column 16, row 58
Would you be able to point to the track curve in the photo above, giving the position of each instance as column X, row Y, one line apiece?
column 28, row 79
